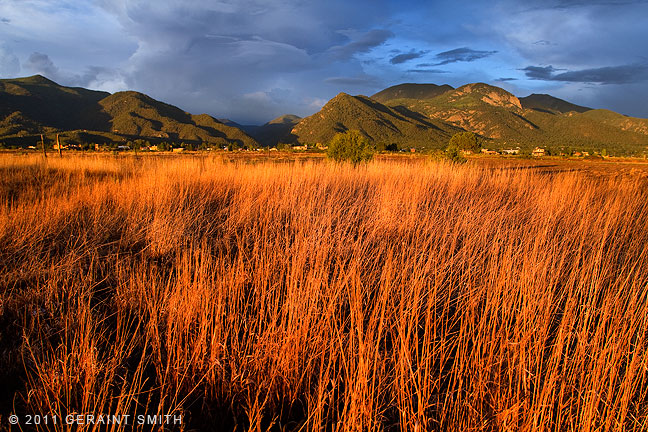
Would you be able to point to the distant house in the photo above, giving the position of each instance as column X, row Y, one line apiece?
column 178, row 150
column 123, row 147
column 487, row 151
column 302, row 147
column 511, row 151
column 577, row 154
column 538, row 152
column 412, row 150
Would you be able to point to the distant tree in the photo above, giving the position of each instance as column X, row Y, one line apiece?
column 453, row 154
column 465, row 141
column 350, row 146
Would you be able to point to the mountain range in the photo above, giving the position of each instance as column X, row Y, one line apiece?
column 36, row 105
column 422, row 116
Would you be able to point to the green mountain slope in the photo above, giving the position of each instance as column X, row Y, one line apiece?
column 545, row 102
column 34, row 105
column 486, row 110
column 136, row 114
column 382, row 124
column 29, row 104
column 592, row 130
column 537, row 120
column 411, row 91
column 275, row 131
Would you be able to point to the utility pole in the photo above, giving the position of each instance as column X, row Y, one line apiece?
column 58, row 145
column 43, row 143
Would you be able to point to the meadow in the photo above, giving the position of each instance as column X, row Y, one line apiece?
column 404, row 294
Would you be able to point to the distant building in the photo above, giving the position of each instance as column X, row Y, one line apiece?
column 511, row 151
column 577, row 154
column 303, row 147
column 538, row 152
column 178, row 150
column 412, row 150
column 487, row 151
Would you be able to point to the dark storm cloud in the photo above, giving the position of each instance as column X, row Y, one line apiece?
column 539, row 72
column 561, row 5
column 363, row 44
column 461, row 55
column 368, row 81
column 505, row 79
column 252, row 60
column 623, row 74
column 402, row 58
column 565, row 4
column 229, row 58
column 432, row 71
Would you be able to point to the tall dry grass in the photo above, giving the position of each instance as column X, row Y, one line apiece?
column 314, row 296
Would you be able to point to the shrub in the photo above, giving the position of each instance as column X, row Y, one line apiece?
column 350, row 146
column 453, row 154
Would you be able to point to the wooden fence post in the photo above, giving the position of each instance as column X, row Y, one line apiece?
column 58, row 144
column 43, row 143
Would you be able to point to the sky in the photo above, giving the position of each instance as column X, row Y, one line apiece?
column 253, row 60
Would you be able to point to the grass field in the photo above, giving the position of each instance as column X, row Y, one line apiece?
column 401, row 295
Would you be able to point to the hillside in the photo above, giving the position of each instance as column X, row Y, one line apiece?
column 548, row 103
column 30, row 104
column 592, row 130
column 382, row 124
column 410, row 115
column 275, row 131
column 34, row 105
column 480, row 108
column 136, row 114
column 537, row 120
column 411, row 91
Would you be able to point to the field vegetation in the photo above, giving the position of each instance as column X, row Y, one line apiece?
column 401, row 294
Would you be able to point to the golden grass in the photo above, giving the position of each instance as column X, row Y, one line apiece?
column 310, row 296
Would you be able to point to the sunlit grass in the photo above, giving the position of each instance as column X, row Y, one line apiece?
column 392, row 296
